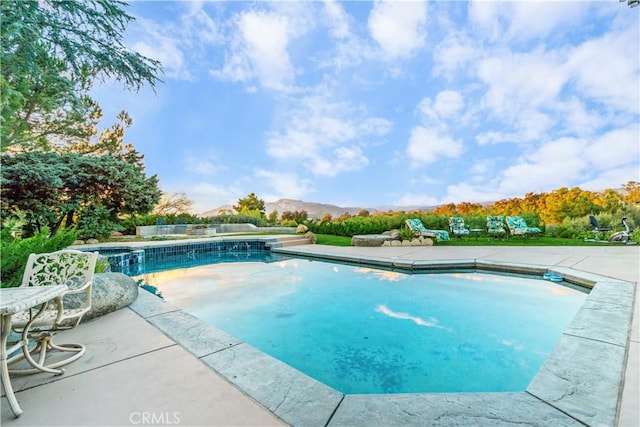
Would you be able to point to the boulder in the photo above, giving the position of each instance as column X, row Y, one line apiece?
column 427, row 242
column 311, row 237
column 92, row 241
column 393, row 234
column 369, row 240
column 110, row 292
column 301, row 228
column 78, row 242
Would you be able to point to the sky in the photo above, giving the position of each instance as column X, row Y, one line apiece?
column 398, row 103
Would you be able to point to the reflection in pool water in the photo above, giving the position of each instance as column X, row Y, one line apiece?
column 369, row 330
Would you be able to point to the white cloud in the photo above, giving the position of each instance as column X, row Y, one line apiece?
column 481, row 167
column 529, row 126
column 202, row 163
column 454, row 53
column 607, row 70
column 285, row 185
column 237, row 68
column 207, row 196
column 614, row 149
column 178, row 45
column 427, row 145
column 265, row 37
column 448, row 103
column 159, row 44
column 557, row 83
column 518, row 83
column 465, row 192
column 612, row 178
column 259, row 50
column 577, row 119
column 337, row 19
column 345, row 49
column 521, row 20
column 328, row 136
column 198, row 25
column 398, row 27
column 551, row 166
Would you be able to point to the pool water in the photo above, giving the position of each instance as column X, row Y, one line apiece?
column 368, row 330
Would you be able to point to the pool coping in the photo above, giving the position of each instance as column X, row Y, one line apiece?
column 579, row 383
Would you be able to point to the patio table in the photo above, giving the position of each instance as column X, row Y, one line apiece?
column 476, row 231
column 12, row 301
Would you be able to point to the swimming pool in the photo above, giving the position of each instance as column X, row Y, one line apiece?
column 366, row 330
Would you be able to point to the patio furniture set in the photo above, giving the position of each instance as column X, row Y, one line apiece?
column 54, row 295
column 497, row 227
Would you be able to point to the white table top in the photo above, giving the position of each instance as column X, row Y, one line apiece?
column 14, row 300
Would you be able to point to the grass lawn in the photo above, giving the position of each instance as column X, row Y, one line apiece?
column 482, row 240
column 327, row 239
column 518, row 241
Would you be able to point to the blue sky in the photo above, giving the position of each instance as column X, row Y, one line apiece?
column 384, row 103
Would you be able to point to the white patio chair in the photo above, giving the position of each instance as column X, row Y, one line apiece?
column 66, row 267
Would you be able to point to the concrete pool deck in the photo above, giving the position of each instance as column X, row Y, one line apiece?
column 153, row 364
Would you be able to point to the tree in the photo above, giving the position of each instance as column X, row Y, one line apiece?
column 273, row 217
column 52, row 51
column 609, row 201
column 567, row 203
column 54, row 189
column 173, row 203
column 297, row 216
column 248, row 204
column 513, row 206
column 632, row 189
column 466, row 208
column 448, row 209
column 326, row 218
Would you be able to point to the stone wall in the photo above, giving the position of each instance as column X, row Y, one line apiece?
column 206, row 229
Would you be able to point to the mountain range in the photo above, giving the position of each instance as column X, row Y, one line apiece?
column 316, row 210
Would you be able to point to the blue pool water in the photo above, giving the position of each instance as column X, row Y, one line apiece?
column 368, row 330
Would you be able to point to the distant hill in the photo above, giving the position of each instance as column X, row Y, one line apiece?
column 316, row 210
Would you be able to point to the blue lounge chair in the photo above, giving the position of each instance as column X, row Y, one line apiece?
column 419, row 229
column 495, row 226
column 518, row 227
column 458, row 227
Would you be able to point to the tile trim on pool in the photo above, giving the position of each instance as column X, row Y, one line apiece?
column 579, row 383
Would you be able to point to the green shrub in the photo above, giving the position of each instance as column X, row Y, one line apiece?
column 561, row 231
column 405, row 233
column 478, row 222
column 102, row 265
column 16, row 251
column 96, row 223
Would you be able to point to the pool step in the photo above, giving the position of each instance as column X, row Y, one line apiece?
column 284, row 241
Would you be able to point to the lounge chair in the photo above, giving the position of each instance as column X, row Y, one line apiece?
column 458, row 227
column 419, row 229
column 518, row 227
column 495, row 226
